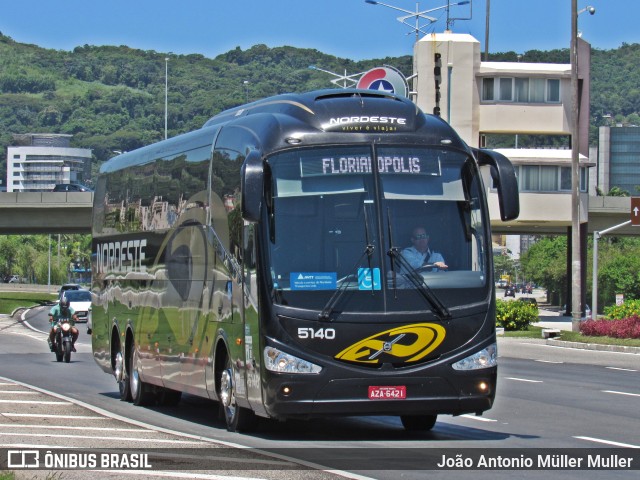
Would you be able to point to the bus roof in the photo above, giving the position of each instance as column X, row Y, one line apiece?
column 346, row 111
column 333, row 112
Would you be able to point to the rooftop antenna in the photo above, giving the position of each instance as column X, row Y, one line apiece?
column 450, row 19
column 344, row 81
column 418, row 14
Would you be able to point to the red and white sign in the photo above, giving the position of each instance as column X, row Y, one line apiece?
column 384, row 79
column 396, row 392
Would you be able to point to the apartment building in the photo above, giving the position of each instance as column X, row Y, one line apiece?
column 618, row 159
column 38, row 161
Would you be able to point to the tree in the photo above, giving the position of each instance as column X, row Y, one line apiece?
column 9, row 247
column 545, row 263
column 618, row 269
column 503, row 265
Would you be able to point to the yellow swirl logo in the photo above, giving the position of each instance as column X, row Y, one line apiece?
column 408, row 343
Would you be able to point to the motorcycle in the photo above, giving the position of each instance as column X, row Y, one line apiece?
column 63, row 340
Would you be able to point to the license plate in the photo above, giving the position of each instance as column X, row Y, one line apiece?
column 398, row 392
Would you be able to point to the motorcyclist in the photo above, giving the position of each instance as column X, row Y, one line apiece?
column 62, row 310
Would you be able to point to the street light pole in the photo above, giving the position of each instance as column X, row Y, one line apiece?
column 576, row 287
column 594, row 293
column 49, row 268
column 486, row 31
column 166, row 94
column 246, row 90
column 576, row 277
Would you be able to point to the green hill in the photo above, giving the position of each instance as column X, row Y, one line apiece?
column 112, row 98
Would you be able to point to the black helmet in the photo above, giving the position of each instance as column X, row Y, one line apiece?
column 64, row 302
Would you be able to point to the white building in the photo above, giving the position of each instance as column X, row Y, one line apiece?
column 480, row 99
column 39, row 161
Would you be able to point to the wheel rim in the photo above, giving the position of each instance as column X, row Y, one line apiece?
column 119, row 367
column 134, row 379
column 227, row 396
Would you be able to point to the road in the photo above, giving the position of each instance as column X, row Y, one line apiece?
column 548, row 399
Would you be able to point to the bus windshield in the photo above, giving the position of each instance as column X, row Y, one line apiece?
column 403, row 232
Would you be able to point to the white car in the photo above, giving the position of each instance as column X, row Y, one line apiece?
column 80, row 301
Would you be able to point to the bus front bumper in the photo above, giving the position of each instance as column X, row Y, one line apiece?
column 296, row 397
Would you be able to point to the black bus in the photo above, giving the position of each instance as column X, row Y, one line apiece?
column 260, row 261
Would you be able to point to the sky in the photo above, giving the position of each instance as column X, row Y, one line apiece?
column 349, row 29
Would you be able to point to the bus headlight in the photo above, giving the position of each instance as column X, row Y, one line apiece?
column 485, row 358
column 278, row 361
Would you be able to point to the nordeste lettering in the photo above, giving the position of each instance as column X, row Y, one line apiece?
column 126, row 256
column 367, row 119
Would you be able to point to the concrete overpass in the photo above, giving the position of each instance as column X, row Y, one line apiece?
column 24, row 213
column 536, row 219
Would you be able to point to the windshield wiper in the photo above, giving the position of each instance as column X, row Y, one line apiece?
column 439, row 308
column 417, row 280
column 368, row 251
column 391, row 242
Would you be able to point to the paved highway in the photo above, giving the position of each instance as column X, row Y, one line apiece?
column 548, row 398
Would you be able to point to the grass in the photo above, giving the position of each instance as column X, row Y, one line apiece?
column 536, row 332
column 7, row 476
column 9, row 301
column 531, row 332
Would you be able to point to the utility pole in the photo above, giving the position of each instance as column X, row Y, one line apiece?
column 576, row 286
column 166, row 94
column 596, row 236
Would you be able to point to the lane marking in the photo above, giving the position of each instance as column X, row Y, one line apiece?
column 479, row 419
column 622, row 369
column 44, row 415
column 19, row 392
column 44, row 402
column 524, row 380
column 65, row 427
column 607, row 442
column 201, row 438
column 203, row 476
column 120, row 439
column 7, row 383
column 621, row 393
column 31, row 445
column 547, row 361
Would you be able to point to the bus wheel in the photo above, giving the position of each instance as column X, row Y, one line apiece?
column 238, row 419
column 418, row 423
column 121, row 377
column 141, row 393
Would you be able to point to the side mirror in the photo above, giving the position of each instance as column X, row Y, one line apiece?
column 251, row 185
column 504, row 177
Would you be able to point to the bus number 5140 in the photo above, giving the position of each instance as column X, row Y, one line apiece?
column 322, row 333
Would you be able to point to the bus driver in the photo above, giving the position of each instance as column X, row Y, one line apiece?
column 419, row 254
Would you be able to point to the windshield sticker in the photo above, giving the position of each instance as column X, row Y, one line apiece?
column 365, row 282
column 313, row 280
column 312, row 166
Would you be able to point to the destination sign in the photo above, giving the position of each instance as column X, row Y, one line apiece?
column 359, row 164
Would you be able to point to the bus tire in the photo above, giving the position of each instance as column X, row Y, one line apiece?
column 122, row 379
column 418, row 423
column 238, row 419
column 141, row 393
